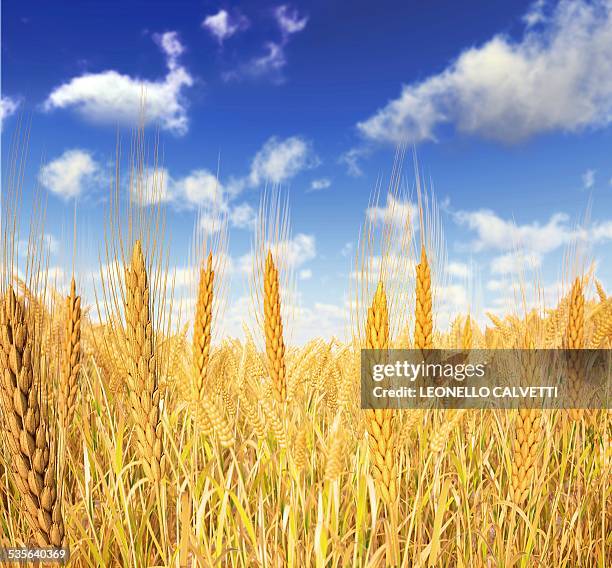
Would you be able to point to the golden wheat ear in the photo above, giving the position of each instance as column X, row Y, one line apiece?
column 273, row 328
column 203, row 325
column 142, row 372
column 380, row 421
column 33, row 456
column 71, row 362
column 423, row 314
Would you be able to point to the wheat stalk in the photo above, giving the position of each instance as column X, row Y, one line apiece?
column 142, row 375
column 33, row 457
column 273, row 324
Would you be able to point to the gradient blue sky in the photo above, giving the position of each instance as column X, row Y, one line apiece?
column 508, row 105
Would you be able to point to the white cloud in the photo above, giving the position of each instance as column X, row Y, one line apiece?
column 601, row 231
column 525, row 245
column 535, row 15
column 271, row 63
column 152, row 187
column 347, row 249
column 588, row 179
column 296, row 251
column 49, row 241
column 279, row 160
column 516, row 262
column 274, row 59
column 501, row 234
column 111, row 97
column 558, row 76
column 171, row 45
column 243, row 216
column 198, row 188
column 289, row 20
column 305, row 274
column 395, row 212
column 351, row 159
column 458, row 269
column 224, row 25
column 69, row 175
column 318, row 184
column 8, row 107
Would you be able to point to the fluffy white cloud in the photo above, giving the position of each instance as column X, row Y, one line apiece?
column 396, row 212
column 288, row 19
column 199, row 188
column 68, row 175
column 557, row 77
column 588, row 179
column 243, row 216
column 8, row 106
column 224, row 25
column 305, row 274
column 296, row 251
column 110, row 96
column 516, row 262
column 493, row 232
column 151, row 187
column 318, row 184
column 279, row 160
column 458, row 269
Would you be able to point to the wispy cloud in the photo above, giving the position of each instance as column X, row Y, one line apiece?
column 557, row 77
column 289, row 20
column 588, row 179
column 536, row 14
column 273, row 60
column 224, row 24
column 111, row 97
column 319, row 184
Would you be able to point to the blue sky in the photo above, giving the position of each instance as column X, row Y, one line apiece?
column 508, row 105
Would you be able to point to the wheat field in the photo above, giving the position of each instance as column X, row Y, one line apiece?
column 138, row 440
